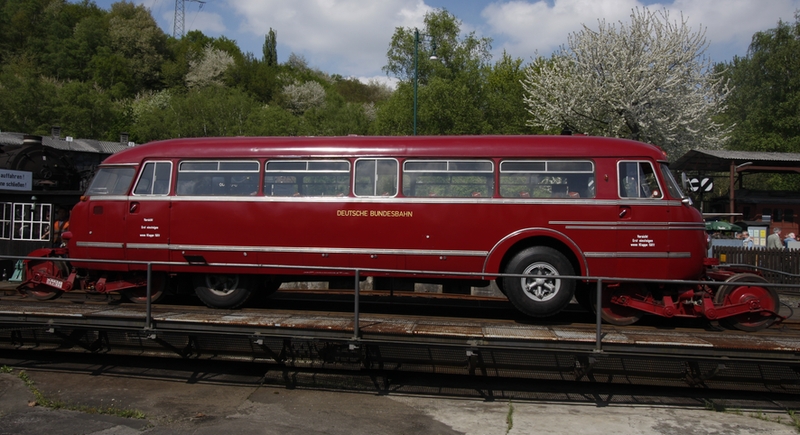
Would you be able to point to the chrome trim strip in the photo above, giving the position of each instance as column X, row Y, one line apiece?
column 100, row 245
column 390, row 200
column 626, row 223
column 147, row 245
column 638, row 255
column 113, row 198
column 321, row 250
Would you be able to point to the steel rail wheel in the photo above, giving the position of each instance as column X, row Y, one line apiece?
column 264, row 290
column 50, row 267
column 543, row 293
column 738, row 291
column 138, row 295
column 43, row 293
column 614, row 313
column 223, row 291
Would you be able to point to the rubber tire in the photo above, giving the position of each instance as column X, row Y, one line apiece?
column 223, row 290
column 545, row 257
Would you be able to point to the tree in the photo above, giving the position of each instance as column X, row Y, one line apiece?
column 26, row 98
column 208, row 69
column 646, row 81
column 764, row 104
column 450, row 95
column 300, row 97
column 270, row 48
column 135, row 35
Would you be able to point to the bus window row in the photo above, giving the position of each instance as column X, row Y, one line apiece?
column 377, row 177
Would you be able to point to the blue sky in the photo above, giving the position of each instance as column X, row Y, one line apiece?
column 351, row 37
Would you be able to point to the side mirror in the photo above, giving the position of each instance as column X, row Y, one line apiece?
column 685, row 181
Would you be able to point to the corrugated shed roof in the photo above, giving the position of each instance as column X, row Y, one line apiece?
column 78, row 145
column 720, row 160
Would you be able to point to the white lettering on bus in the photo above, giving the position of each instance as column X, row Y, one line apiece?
column 642, row 241
column 375, row 213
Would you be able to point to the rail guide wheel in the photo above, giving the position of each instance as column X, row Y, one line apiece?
column 138, row 295
column 737, row 291
column 614, row 313
column 48, row 267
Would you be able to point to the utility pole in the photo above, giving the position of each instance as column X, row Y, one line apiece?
column 180, row 17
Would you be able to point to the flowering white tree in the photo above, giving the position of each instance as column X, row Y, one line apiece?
column 300, row 97
column 647, row 81
column 208, row 69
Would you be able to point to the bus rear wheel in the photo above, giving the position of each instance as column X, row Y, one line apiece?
column 744, row 288
column 543, row 293
column 222, row 290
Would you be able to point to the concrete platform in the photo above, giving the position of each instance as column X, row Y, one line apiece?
column 181, row 406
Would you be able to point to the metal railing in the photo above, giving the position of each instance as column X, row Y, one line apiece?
column 358, row 272
column 776, row 265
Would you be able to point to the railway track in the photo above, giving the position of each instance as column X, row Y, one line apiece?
column 401, row 335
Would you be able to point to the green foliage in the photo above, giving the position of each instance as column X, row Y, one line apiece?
column 26, row 99
column 270, row 50
column 208, row 111
column 460, row 92
column 764, row 104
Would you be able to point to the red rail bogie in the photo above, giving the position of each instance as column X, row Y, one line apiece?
column 214, row 209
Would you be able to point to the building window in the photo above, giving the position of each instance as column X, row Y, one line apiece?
column 5, row 220
column 32, row 221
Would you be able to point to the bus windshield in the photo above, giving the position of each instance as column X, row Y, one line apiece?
column 111, row 181
column 672, row 185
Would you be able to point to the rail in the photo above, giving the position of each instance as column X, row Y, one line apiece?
column 357, row 272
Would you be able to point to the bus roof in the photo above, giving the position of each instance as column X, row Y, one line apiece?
column 390, row 146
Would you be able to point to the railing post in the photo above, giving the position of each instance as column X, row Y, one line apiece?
column 598, row 316
column 148, row 323
column 356, row 308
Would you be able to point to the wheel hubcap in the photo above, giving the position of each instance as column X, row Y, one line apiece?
column 222, row 285
column 543, row 286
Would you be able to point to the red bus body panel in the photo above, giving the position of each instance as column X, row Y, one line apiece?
column 607, row 236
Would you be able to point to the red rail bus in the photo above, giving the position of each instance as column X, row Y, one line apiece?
column 544, row 206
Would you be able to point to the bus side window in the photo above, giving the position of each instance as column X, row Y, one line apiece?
column 547, row 179
column 638, row 180
column 154, row 179
column 307, row 178
column 376, row 177
column 448, row 178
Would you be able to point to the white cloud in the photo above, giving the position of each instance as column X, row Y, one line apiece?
column 347, row 36
column 531, row 27
column 528, row 27
column 732, row 23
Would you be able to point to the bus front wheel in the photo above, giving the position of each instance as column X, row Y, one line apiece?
column 542, row 293
column 222, row 290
